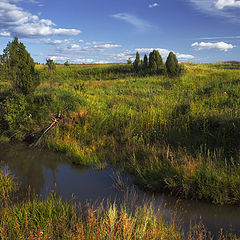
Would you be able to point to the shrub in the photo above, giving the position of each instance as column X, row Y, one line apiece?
column 66, row 64
column 14, row 113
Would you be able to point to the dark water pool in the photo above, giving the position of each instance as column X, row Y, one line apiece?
column 46, row 171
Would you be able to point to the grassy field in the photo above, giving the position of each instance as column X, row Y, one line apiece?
column 178, row 135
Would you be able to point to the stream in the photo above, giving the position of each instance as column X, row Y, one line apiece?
column 44, row 171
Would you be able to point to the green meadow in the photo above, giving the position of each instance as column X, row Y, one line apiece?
column 176, row 135
column 179, row 135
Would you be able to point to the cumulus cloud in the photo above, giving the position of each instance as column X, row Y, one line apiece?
column 76, row 51
column 142, row 51
column 138, row 23
column 15, row 21
column 153, row 5
column 220, row 4
column 184, row 56
column 222, row 46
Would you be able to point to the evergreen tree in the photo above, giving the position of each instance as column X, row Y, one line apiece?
column 155, row 62
column 137, row 62
column 145, row 61
column 173, row 68
column 19, row 67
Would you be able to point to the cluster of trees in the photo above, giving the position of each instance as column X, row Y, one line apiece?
column 154, row 64
column 18, row 67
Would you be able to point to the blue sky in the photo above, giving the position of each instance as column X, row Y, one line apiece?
column 105, row 31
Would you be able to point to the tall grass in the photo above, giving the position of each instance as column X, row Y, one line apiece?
column 179, row 135
column 7, row 187
column 54, row 219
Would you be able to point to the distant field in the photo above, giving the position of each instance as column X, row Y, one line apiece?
column 219, row 65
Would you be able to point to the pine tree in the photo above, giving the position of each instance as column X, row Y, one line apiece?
column 173, row 68
column 137, row 62
column 19, row 67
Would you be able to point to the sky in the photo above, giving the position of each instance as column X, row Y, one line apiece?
column 107, row 31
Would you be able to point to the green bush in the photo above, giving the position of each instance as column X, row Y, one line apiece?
column 15, row 114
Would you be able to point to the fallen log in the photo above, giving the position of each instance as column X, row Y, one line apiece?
column 55, row 120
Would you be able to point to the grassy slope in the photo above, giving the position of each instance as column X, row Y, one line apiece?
column 176, row 135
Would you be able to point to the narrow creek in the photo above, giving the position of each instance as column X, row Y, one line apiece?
column 46, row 171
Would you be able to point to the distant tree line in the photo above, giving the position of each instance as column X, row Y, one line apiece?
column 154, row 65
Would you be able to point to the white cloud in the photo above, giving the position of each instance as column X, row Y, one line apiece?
column 58, row 58
column 102, row 62
column 153, row 5
column 107, row 46
column 96, row 43
column 139, row 24
column 71, row 59
column 79, row 52
column 17, row 22
column 164, row 52
column 74, row 47
column 217, row 8
column 222, row 46
column 30, row 1
column 5, row 34
column 84, row 60
column 220, row 4
column 184, row 56
column 142, row 51
column 99, row 52
column 55, row 42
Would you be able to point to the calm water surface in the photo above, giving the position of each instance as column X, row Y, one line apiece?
column 45, row 171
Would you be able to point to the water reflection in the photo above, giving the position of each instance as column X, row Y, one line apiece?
column 44, row 171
